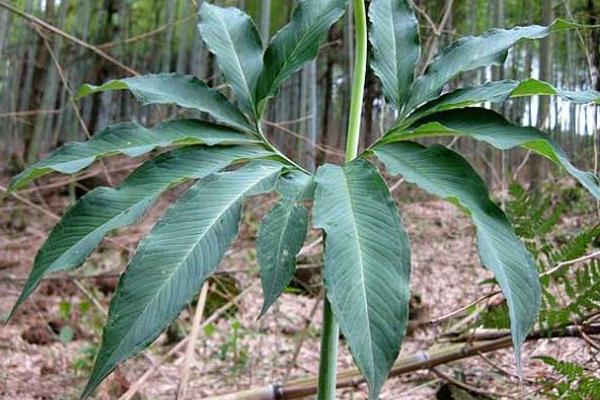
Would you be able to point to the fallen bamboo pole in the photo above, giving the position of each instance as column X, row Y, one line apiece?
column 422, row 360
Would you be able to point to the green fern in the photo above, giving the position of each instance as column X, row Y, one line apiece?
column 566, row 292
column 533, row 217
column 576, row 382
column 585, row 294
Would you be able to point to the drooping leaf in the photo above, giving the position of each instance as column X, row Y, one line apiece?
column 444, row 173
column 493, row 128
column 533, row 87
column 367, row 264
column 494, row 92
column 296, row 44
column 498, row 92
column 232, row 37
column 473, row 52
column 282, row 234
column 173, row 261
column 172, row 88
column 129, row 139
column 394, row 37
column 104, row 209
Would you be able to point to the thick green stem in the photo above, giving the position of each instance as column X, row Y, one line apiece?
column 358, row 83
column 329, row 340
column 328, row 356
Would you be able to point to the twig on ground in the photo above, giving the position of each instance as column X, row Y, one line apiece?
column 137, row 385
column 562, row 264
column 418, row 361
column 31, row 204
column 300, row 343
column 51, row 214
column 191, row 344
column 458, row 311
column 501, row 370
column 463, row 385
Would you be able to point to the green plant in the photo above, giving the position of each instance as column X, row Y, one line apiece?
column 576, row 382
column 234, row 350
column 566, row 294
column 367, row 256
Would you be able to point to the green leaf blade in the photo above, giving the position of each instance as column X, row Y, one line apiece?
column 498, row 92
column 394, row 36
column 488, row 126
column 296, row 44
column 367, row 264
column 472, row 52
column 232, row 37
column 129, row 139
column 535, row 87
column 444, row 173
column 494, row 92
column 173, row 261
column 173, row 88
column 104, row 209
column 281, row 236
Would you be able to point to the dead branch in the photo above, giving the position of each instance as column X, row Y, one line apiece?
column 415, row 362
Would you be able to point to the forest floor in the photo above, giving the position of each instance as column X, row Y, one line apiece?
column 46, row 350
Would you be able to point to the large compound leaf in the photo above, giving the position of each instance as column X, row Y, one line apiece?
column 498, row 92
column 173, row 261
column 182, row 90
column 473, row 52
column 282, row 234
column 232, row 37
column 493, row 128
column 367, row 264
column 129, row 139
column 395, row 47
column 444, row 173
column 296, row 44
column 104, row 209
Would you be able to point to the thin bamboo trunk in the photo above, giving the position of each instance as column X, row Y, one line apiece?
column 167, row 48
column 265, row 19
column 543, row 114
column 184, row 30
column 44, row 121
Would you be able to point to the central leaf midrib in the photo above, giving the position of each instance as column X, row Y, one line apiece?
column 237, row 59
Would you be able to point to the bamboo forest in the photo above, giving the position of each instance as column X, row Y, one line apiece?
column 299, row 199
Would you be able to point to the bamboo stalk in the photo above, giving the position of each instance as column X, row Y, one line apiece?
column 421, row 360
column 53, row 29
